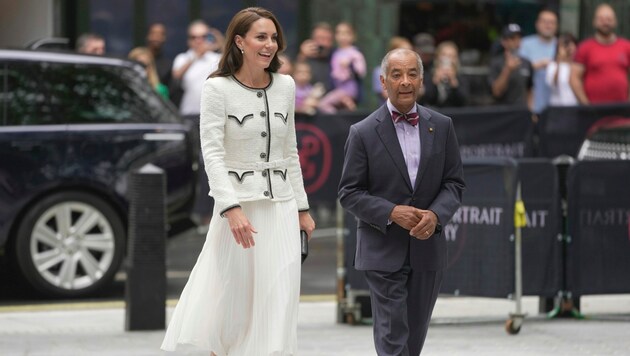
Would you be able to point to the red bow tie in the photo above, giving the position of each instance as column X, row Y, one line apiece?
column 411, row 118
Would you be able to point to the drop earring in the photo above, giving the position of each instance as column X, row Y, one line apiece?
column 242, row 50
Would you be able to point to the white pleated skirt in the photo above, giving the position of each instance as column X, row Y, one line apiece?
column 243, row 301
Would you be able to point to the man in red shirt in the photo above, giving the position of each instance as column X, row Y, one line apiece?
column 600, row 71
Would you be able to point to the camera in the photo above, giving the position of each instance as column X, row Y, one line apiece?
column 445, row 63
column 210, row 38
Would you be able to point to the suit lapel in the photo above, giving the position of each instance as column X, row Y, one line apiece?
column 427, row 133
column 387, row 133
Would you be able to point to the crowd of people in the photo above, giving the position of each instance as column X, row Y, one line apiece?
column 328, row 70
column 544, row 69
column 536, row 71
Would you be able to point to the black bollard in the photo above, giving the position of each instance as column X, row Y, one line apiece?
column 145, row 288
column 566, row 305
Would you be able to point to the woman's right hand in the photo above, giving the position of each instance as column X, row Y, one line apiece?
column 242, row 230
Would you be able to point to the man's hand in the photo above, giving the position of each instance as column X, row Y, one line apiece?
column 425, row 228
column 543, row 63
column 406, row 216
column 512, row 61
column 203, row 48
column 443, row 73
column 219, row 40
column 309, row 49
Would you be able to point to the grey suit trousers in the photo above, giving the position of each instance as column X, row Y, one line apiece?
column 402, row 304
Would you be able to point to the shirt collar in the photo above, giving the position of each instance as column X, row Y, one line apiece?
column 390, row 107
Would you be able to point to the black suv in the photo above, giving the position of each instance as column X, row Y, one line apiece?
column 72, row 129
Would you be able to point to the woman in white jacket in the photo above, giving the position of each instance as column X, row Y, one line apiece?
column 243, row 293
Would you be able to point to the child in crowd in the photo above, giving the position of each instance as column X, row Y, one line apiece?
column 307, row 95
column 348, row 67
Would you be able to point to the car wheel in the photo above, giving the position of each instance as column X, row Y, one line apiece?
column 70, row 244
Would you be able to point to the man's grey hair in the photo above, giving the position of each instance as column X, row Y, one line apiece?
column 385, row 61
column 87, row 37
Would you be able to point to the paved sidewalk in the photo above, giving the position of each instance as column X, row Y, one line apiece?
column 461, row 326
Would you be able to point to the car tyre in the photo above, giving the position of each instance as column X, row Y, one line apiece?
column 70, row 244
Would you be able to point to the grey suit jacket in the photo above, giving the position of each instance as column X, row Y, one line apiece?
column 375, row 179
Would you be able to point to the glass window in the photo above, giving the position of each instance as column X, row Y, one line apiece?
column 218, row 13
column 55, row 93
column 98, row 94
column 3, row 94
column 113, row 19
column 174, row 15
column 471, row 25
column 26, row 103
column 286, row 12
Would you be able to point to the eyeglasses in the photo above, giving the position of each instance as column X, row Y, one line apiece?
column 194, row 37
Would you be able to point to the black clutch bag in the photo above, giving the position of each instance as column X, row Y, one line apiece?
column 304, row 239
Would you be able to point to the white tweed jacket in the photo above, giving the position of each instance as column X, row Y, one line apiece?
column 248, row 142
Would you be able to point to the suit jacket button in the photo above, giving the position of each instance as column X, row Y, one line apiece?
column 264, row 173
column 266, row 193
column 259, row 94
column 263, row 155
column 263, row 134
column 263, row 114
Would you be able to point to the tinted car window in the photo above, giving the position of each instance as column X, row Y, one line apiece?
column 3, row 95
column 61, row 93
column 25, row 103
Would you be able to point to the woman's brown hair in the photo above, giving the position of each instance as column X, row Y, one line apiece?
column 232, row 58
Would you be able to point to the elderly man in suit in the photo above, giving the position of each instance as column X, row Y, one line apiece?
column 403, row 179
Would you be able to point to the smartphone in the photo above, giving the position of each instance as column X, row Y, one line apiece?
column 304, row 243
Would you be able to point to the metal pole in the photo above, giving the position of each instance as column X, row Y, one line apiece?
column 518, row 270
column 566, row 305
column 513, row 325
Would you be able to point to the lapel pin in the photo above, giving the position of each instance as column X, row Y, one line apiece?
column 430, row 129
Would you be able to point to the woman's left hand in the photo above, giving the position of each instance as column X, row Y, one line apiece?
column 306, row 223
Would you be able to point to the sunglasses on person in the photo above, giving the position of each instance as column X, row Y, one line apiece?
column 208, row 36
column 194, row 37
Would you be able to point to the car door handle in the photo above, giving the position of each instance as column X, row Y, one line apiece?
column 167, row 136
